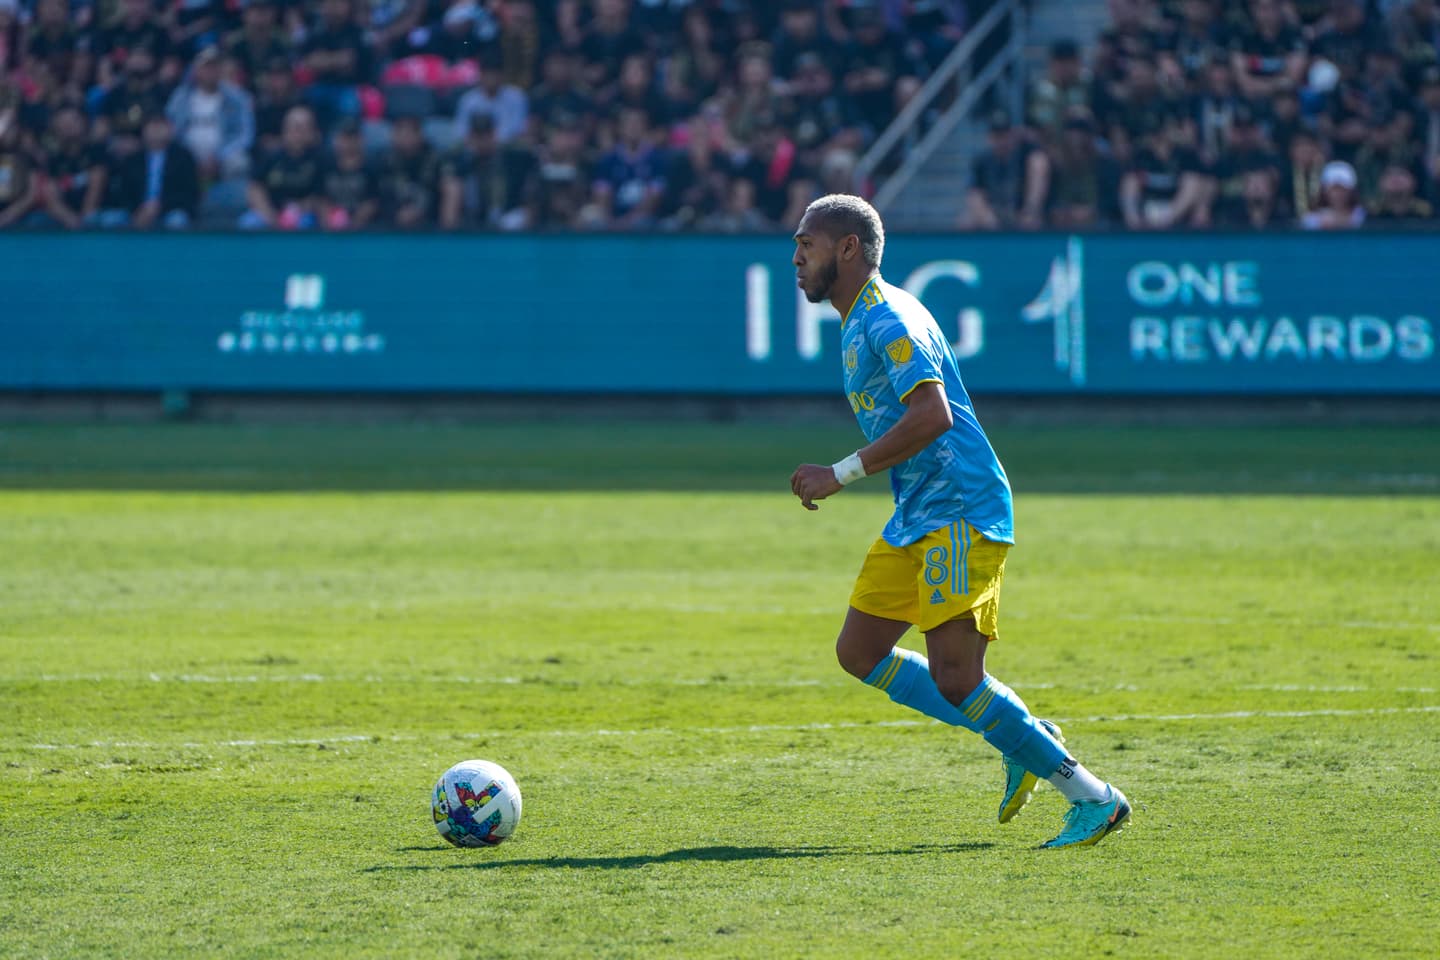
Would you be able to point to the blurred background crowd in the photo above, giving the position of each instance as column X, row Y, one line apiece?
column 714, row 115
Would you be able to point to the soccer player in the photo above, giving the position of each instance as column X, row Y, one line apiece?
column 939, row 563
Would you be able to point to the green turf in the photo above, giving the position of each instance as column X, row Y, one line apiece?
column 234, row 659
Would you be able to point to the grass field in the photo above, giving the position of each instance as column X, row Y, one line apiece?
column 233, row 660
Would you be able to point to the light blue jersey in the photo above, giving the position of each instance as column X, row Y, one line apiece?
column 891, row 344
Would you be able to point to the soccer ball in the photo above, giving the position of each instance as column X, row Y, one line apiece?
column 476, row 804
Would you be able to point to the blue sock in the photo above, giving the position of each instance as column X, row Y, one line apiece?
column 996, row 713
column 905, row 676
column 992, row 710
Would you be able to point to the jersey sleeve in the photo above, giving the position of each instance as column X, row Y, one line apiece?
column 909, row 360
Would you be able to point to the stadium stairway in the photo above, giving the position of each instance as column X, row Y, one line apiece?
column 935, row 197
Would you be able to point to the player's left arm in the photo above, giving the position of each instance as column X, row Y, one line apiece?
column 926, row 418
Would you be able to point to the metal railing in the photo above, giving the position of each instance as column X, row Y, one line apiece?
column 950, row 94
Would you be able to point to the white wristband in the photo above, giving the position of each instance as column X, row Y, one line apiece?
column 849, row 470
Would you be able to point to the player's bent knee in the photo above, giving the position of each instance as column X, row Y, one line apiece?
column 857, row 659
column 956, row 682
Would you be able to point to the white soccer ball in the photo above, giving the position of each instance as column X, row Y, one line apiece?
column 476, row 803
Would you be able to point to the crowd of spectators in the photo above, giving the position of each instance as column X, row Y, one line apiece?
column 1244, row 114
column 448, row 114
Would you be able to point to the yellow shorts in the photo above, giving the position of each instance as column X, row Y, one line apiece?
column 949, row 573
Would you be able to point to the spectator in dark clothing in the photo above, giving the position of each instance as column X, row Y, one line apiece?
column 127, row 105
column 1246, row 152
column 1063, row 89
column 801, row 33
column 784, row 182
column 932, row 28
column 1165, row 186
column 611, row 38
column 349, row 191
column 636, row 88
column 1268, row 57
column 285, row 187
column 1299, row 187
column 135, row 28
column 874, row 65
column 409, row 178
column 1396, row 203
column 559, row 93
column 1009, row 181
column 53, row 41
column 629, row 181
column 817, row 116
column 159, row 182
column 275, row 97
column 561, row 185
column 338, row 59
column 1084, row 179
column 482, row 183
column 19, row 184
column 697, row 183
column 1195, row 42
column 1213, row 110
column 1142, row 104
column 1414, row 35
column 1258, row 207
column 1427, row 132
column 1349, row 38
column 259, row 41
column 74, row 170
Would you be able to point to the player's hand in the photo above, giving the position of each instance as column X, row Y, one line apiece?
column 811, row 482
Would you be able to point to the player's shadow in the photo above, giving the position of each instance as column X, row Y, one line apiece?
column 683, row 855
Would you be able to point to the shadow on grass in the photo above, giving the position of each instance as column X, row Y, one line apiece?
column 640, row 456
column 683, row 855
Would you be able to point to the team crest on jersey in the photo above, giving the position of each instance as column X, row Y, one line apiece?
column 852, row 359
column 901, row 350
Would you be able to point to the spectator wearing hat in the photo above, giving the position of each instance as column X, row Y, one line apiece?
column 1165, row 186
column 1339, row 207
column 284, row 189
column 505, row 105
column 1063, row 89
column 214, row 120
column 338, row 60
column 1396, row 202
column 482, row 183
column 1009, row 181
column 349, row 191
column 158, row 184
column 1084, row 178
column 259, row 41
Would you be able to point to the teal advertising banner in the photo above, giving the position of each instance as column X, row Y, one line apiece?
column 1191, row 314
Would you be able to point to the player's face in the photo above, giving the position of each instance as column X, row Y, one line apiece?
column 817, row 263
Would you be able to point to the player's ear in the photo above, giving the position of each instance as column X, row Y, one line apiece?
column 849, row 247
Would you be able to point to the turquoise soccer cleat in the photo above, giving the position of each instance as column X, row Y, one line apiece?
column 1090, row 821
column 1020, row 783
